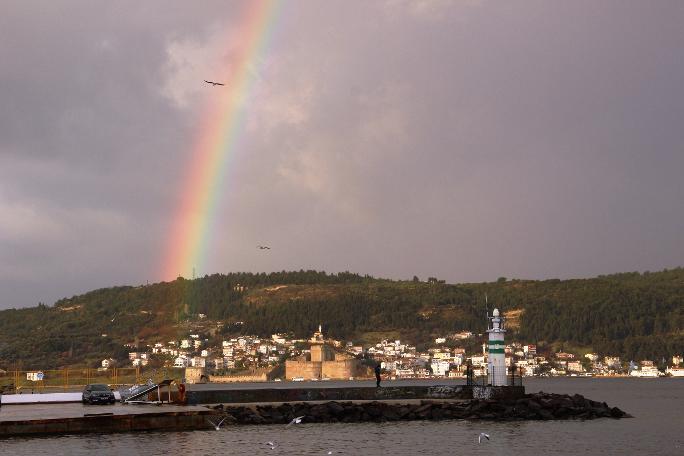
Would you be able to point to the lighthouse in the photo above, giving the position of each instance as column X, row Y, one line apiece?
column 496, row 361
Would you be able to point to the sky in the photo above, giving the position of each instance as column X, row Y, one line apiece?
column 465, row 140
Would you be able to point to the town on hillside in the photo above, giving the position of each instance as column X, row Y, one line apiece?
column 259, row 358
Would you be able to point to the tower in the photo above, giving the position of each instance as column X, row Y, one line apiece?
column 319, row 351
column 496, row 361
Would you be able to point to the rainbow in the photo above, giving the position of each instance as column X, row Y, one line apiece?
column 217, row 140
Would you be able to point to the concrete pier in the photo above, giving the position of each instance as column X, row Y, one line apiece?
column 40, row 419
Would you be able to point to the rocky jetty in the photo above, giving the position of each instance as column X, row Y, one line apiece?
column 540, row 406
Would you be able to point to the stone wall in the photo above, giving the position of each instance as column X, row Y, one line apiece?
column 193, row 374
column 335, row 370
column 340, row 370
column 320, row 353
column 235, row 396
column 238, row 378
column 304, row 369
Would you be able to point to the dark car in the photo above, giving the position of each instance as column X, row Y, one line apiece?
column 98, row 393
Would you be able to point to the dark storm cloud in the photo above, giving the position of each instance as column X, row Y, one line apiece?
column 466, row 140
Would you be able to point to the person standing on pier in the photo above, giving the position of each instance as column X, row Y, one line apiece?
column 377, row 375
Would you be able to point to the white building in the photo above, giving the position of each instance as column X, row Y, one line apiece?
column 405, row 373
column 612, row 362
column 440, row 368
column 140, row 362
column 575, row 366
column 478, row 361
column 181, row 361
column 35, row 376
column 442, row 356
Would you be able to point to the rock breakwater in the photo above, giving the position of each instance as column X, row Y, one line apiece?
column 539, row 406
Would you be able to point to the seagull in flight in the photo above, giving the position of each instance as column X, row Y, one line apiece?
column 297, row 420
column 272, row 445
column 217, row 426
column 214, row 83
column 482, row 434
column 263, row 247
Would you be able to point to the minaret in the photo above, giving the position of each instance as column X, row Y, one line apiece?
column 496, row 361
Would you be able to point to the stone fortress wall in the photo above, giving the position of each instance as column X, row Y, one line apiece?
column 323, row 362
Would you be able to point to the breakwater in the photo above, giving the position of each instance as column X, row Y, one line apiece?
column 539, row 406
column 314, row 405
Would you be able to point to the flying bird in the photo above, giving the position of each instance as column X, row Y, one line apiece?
column 217, row 426
column 263, row 247
column 272, row 445
column 214, row 83
column 482, row 434
column 297, row 420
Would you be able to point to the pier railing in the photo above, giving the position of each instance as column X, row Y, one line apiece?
column 512, row 377
column 74, row 379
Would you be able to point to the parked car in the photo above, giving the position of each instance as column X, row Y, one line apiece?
column 98, row 393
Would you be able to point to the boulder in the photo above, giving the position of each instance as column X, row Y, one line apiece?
column 545, row 414
column 335, row 408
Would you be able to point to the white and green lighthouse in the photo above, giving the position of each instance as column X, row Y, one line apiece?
column 496, row 359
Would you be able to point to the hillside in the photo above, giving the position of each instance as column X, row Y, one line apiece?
column 633, row 315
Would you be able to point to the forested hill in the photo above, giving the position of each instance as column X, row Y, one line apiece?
column 633, row 315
